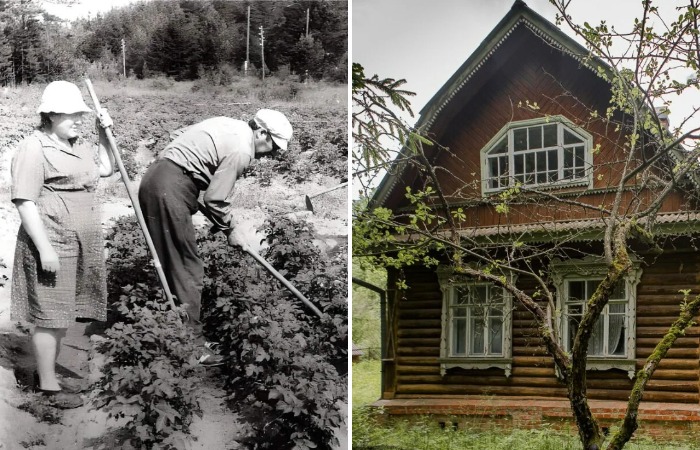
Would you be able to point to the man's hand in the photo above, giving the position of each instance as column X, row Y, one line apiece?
column 244, row 237
column 103, row 119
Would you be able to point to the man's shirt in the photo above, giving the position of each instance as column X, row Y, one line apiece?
column 214, row 152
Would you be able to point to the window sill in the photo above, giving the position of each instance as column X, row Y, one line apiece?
column 628, row 365
column 476, row 363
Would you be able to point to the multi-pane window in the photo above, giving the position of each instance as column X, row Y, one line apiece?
column 477, row 321
column 537, row 154
column 609, row 338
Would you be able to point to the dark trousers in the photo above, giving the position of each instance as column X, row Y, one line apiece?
column 168, row 198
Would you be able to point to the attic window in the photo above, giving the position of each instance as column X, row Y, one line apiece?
column 541, row 152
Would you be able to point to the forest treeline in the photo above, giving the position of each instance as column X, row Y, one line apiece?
column 185, row 40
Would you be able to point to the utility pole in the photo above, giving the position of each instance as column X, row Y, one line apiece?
column 307, row 22
column 247, row 46
column 262, row 51
column 124, row 57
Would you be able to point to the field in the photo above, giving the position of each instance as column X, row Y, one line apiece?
column 372, row 431
column 145, row 113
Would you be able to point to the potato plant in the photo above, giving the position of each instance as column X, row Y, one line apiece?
column 151, row 374
column 285, row 374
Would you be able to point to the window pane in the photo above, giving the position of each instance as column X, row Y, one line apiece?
column 570, row 138
column 493, row 171
column 496, row 296
column 580, row 157
column 500, row 147
column 568, row 158
column 550, row 135
column 530, row 163
column 461, row 294
column 520, row 139
column 552, row 165
column 541, row 161
column 577, row 290
column 477, row 336
column 616, row 333
column 460, row 312
column 535, row 134
column 519, row 164
column 478, row 295
column 496, row 338
column 591, row 286
column 573, row 322
column 459, row 336
column 595, row 345
column 619, row 292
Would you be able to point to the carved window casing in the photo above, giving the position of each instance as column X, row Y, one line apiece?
column 476, row 324
column 545, row 152
column 613, row 342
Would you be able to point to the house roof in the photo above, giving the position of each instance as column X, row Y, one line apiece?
column 683, row 223
column 520, row 15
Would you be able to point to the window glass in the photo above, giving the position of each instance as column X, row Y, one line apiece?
column 536, row 155
column 550, row 135
column 520, row 139
column 609, row 333
column 535, row 135
column 477, row 321
column 571, row 138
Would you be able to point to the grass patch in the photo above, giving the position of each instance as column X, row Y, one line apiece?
column 371, row 429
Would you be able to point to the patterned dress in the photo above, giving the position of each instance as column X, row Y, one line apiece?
column 62, row 185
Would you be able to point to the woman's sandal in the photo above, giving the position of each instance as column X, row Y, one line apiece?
column 60, row 399
column 68, row 385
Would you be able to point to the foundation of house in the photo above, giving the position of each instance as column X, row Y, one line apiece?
column 661, row 421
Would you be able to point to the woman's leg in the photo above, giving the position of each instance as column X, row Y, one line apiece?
column 46, row 343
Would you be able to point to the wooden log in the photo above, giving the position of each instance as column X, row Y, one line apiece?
column 420, row 323
column 423, row 313
column 419, row 342
column 420, row 333
column 418, row 351
column 426, row 370
column 660, row 331
column 681, row 342
column 416, row 360
column 673, row 352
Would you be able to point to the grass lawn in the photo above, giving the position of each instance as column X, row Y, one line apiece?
column 424, row 434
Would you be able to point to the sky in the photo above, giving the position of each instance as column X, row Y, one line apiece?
column 82, row 8
column 426, row 41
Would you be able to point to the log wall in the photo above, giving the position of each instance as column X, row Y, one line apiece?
column 417, row 330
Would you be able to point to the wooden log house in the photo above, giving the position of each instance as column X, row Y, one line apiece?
column 433, row 364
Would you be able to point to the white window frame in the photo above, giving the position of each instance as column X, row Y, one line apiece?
column 448, row 360
column 588, row 269
column 508, row 179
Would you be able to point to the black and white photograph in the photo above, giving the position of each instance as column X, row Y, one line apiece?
column 174, row 224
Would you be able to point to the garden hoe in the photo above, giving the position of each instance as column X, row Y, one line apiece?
column 134, row 199
column 203, row 209
column 307, row 198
